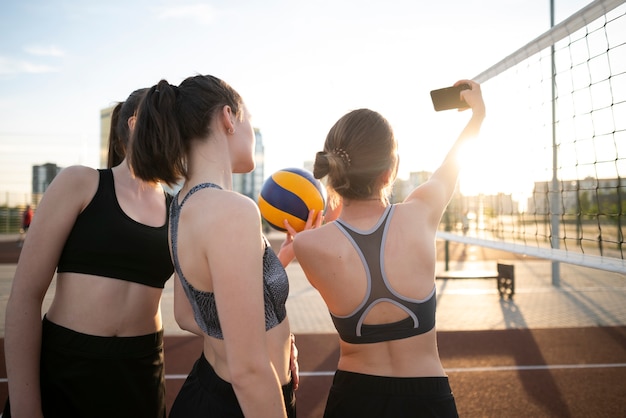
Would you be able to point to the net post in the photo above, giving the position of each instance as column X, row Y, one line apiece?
column 554, row 201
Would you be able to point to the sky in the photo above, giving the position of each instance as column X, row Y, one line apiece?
column 299, row 65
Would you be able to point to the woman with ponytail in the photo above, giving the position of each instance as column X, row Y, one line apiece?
column 98, row 352
column 199, row 134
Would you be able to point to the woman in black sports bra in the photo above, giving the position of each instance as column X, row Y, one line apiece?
column 99, row 350
column 227, row 274
column 375, row 268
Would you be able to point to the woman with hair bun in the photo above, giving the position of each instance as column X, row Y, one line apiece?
column 374, row 267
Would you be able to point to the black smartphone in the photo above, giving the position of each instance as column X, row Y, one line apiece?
column 449, row 98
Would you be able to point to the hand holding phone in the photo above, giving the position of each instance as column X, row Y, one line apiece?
column 449, row 97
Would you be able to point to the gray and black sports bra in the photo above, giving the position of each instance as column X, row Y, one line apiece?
column 275, row 282
column 421, row 313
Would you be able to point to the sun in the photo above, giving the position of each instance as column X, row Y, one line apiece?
column 497, row 162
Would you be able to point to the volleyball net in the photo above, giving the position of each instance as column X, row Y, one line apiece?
column 555, row 187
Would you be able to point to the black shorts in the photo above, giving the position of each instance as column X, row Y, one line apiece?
column 206, row 394
column 91, row 376
column 362, row 395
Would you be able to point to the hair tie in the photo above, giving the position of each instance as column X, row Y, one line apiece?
column 345, row 157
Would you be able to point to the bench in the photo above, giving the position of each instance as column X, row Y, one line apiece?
column 504, row 275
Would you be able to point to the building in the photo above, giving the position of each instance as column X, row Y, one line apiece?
column 105, row 130
column 42, row 177
column 589, row 195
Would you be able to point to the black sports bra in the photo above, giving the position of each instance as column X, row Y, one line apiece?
column 104, row 241
column 275, row 282
column 421, row 313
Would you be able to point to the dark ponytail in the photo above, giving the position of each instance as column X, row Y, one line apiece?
column 119, row 133
column 117, row 150
column 157, row 149
column 170, row 118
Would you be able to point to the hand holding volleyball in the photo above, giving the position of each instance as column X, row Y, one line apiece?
column 290, row 194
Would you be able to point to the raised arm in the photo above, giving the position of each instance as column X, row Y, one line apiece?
column 438, row 190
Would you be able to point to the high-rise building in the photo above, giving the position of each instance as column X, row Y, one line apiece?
column 42, row 177
column 105, row 129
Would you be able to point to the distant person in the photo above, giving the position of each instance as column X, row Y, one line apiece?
column 201, row 131
column 27, row 218
column 375, row 268
column 99, row 350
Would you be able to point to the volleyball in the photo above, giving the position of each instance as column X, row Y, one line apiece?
column 290, row 194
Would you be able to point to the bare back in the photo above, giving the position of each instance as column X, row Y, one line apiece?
column 409, row 267
column 226, row 262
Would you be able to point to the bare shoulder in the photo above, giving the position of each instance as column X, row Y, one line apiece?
column 314, row 239
column 223, row 209
column 77, row 175
column 306, row 237
column 423, row 193
column 74, row 184
column 244, row 212
column 239, row 202
column 231, row 204
column 68, row 194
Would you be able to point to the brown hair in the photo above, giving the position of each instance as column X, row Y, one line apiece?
column 359, row 148
column 170, row 118
column 119, row 133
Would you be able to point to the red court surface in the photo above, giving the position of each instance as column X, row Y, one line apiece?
column 576, row 372
column 521, row 372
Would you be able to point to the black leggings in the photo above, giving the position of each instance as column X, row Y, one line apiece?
column 205, row 394
column 363, row 396
column 91, row 376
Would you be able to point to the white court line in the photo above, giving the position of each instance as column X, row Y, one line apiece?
column 536, row 367
column 453, row 369
column 532, row 290
column 175, row 376
column 466, row 369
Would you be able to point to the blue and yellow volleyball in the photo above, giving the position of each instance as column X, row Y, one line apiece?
column 290, row 194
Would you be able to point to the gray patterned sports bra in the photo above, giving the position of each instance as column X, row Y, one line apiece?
column 275, row 283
